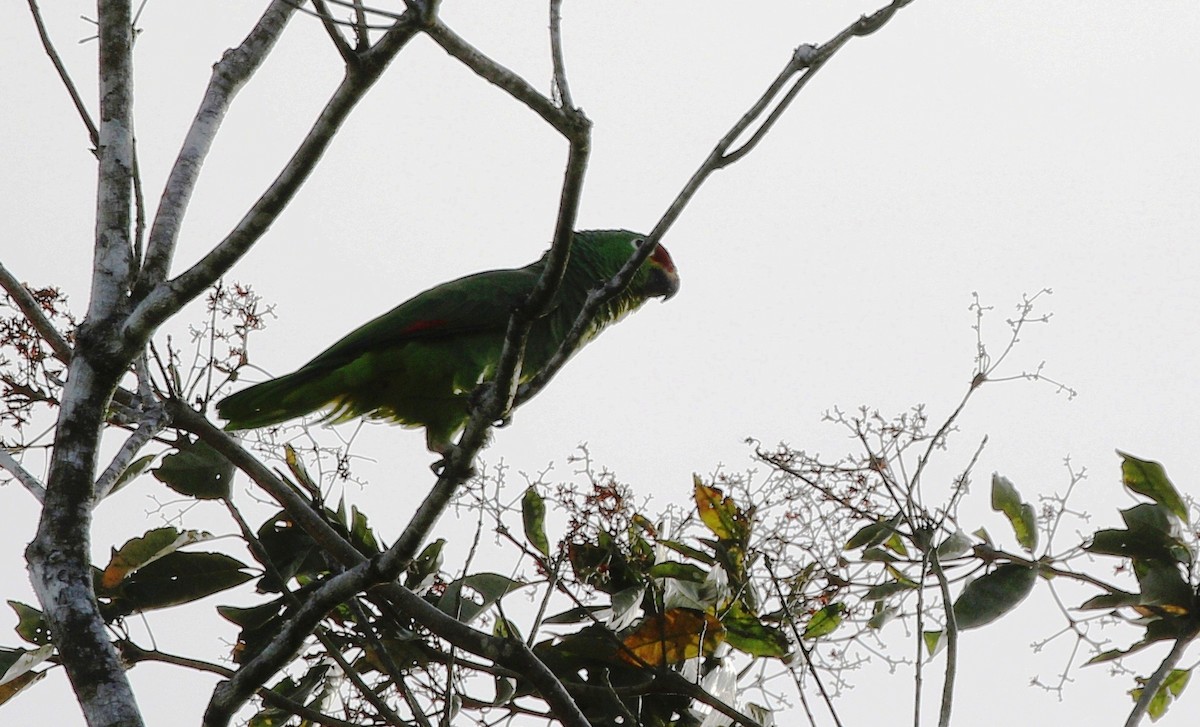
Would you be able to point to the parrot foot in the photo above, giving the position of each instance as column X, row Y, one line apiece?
column 449, row 452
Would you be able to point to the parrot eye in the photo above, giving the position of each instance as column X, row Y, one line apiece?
column 638, row 242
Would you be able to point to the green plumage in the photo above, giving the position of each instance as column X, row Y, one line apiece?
column 417, row 364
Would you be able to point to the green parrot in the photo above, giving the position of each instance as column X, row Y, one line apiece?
column 418, row 364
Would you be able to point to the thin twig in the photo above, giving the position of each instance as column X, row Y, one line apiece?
column 951, row 638
column 808, row 662
column 76, row 99
column 331, row 28
column 561, row 87
column 498, row 75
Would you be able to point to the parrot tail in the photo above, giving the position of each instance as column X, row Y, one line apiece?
column 274, row 401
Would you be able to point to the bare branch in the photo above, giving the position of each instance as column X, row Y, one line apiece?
column 498, row 75
column 229, row 75
column 165, row 298
column 93, row 134
column 804, row 58
column 24, row 476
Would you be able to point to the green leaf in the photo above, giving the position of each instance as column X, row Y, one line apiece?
column 688, row 551
column 1163, row 585
column 956, row 544
column 573, row 615
column 883, row 590
column 825, row 621
column 490, row 587
column 1160, row 629
column 1167, row 693
column 992, row 595
column 1145, row 539
column 1005, row 499
column 299, row 471
column 253, row 616
column 533, row 514
column 878, row 555
column 985, row 536
column 297, row 691
column 933, row 642
column 140, row 551
column 881, row 615
column 31, row 625
column 196, row 470
column 678, row 571
column 1111, row 600
column 178, row 578
column 131, row 473
column 424, row 569
column 895, row 544
column 506, row 689
column 361, row 534
column 1150, row 479
column 747, row 634
column 873, row 534
column 505, row 629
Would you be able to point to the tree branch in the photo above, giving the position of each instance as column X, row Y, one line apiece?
column 134, row 653
column 33, row 313
column 804, row 58
column 22, row 475
column 951, row 638
column 59, row 557
column 149, row 427
column 360, row 576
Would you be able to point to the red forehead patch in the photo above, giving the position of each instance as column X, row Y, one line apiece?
column 663, row 258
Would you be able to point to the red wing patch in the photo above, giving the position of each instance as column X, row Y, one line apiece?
column 422, row 326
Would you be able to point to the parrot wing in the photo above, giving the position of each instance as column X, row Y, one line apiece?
column 477, row 303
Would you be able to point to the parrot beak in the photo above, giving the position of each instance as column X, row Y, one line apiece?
column 664, row 283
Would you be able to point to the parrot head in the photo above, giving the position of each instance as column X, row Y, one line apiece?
column 657, row 277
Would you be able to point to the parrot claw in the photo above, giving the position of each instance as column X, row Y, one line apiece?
column 449, row 452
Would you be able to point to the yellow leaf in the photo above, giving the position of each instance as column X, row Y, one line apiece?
column 720, row 513
column 673, row 637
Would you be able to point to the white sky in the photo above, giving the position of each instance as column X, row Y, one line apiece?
column 999, row 148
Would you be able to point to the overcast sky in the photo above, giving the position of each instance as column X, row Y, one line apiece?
column 993, row 147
